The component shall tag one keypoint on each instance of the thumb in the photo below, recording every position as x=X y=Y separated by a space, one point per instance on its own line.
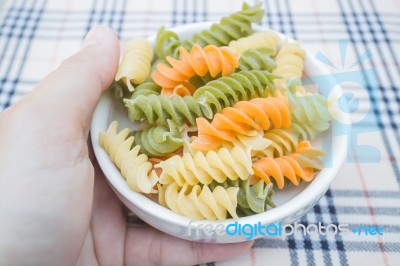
x=72 y=91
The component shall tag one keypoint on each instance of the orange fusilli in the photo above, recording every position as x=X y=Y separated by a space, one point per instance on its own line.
x=199 y=61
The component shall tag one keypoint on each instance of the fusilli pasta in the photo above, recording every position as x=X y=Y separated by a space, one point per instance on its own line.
x=205 y=167
x=289 y=64
x=229 y=28
x=309 y=111
x=266 y=39
x=159 y=140
x=301 y=165
x=145 y=89
x=256 y=59
x=255 y=198
x=245 y=116
x=226 y=91
x=210 y=59
x=157 y=109
x=290 y=61
x=167 y=43
x=134 y=167
x=199 y=202
x=136 y=63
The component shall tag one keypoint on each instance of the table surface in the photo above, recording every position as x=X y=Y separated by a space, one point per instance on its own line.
x=358 y=40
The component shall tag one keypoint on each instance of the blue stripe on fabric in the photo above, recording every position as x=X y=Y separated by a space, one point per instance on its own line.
x=351 y=245
x=280 y=20
x=121 y=19
x=359 y=210
x=112 y=13
x=174 y=13
x=390 y=79
x=268 y=14
x=395 y=166
x=16 y=47
x=291 y=244
x=395 y=90
x=205 y=13
x=338 y=239
x=6 y=18
x=12 y=29
x=325 y=248
x=371 y=193
x=103 y=12
x=218 y=13
x=91 y=17
x=291 y=19
x=387 y=40
x=374 y=101
x=194 y=12
x=184 y=13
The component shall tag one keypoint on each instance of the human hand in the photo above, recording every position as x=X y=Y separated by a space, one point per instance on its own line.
x=56 y=207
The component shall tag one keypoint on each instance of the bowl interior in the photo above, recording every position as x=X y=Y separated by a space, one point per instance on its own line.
x=292 y=202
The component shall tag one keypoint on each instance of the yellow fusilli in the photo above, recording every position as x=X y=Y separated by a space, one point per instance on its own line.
x=199 y=203
x=205 y=167
x=136 y=63
x=267 y=39
x=134 y=167
x=289 y=63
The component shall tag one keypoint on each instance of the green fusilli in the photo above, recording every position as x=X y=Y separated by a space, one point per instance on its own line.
x=232 y=27
x=256 y=59
x=167 y=43
x=159 y=108
x=226 y=91
x=159 y=140
x=145 y=89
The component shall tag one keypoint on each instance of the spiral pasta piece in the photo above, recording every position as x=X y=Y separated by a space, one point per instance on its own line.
x=256 y=59
x=200 y=61
x=134 y=167
x=255 y=141
x=266 y=39
x=301 y=165
x=283 y=142
x=253 y=199
x=159 y=140
x=145 y=89
x=256 y=114
x=229 y=28
x=226 y=91
x=205 y=167
x=290 y=61
x=310 y=108
x=309 y=111
x=200 y=202
x=157 y=109
x=272 y=143
x=119 y=89
x=306 y=131
x=205 y=102
x=136 y=63
x=289 y=64
x=167 y=43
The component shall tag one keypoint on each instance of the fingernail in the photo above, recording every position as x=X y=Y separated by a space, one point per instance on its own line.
x=96 y=35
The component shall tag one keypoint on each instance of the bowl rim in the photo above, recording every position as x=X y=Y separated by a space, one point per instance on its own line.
x=317 y=187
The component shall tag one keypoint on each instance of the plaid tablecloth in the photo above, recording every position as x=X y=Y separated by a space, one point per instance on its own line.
x=36 y=35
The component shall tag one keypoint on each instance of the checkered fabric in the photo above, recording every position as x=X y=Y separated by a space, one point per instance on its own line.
x=36 y=35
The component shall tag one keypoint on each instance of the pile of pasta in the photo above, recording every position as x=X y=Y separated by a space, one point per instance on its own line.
x=223 y=119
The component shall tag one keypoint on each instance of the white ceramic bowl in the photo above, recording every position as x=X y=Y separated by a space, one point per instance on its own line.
x=292 y=203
